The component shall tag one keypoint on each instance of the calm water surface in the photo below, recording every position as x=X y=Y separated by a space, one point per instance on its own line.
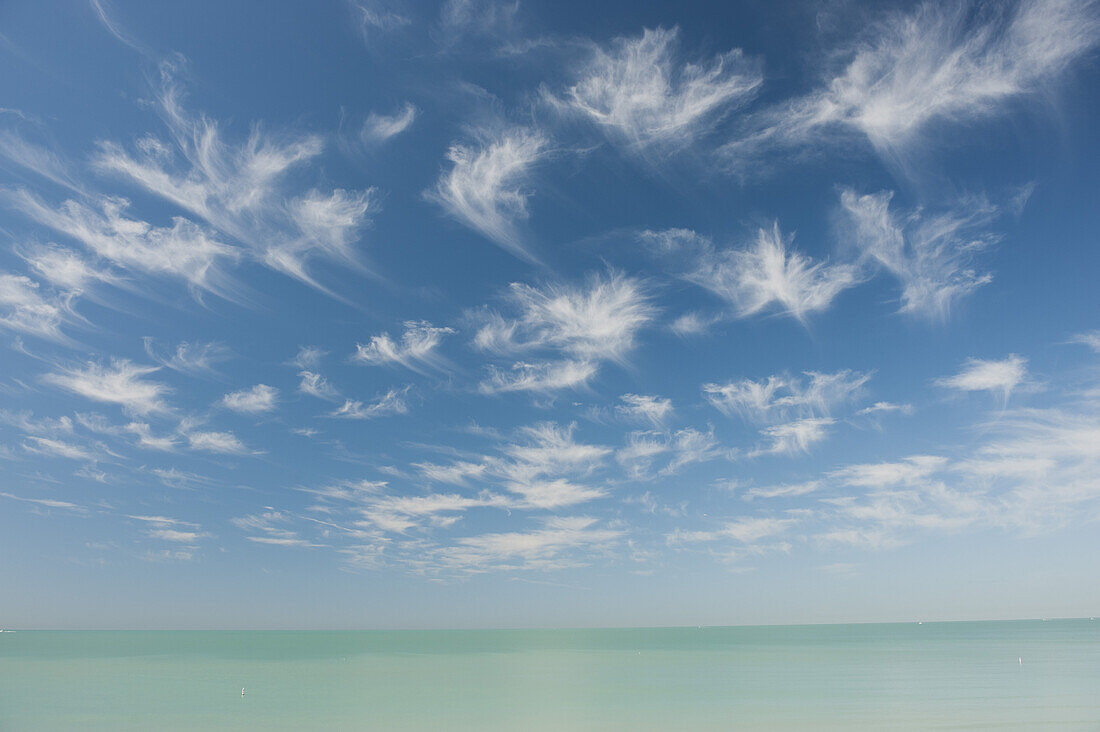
x=962 y=676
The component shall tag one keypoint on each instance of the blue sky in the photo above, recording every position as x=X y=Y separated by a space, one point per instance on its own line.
x=382 y=314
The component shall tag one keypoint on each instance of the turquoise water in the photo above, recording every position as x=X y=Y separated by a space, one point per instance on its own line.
x=930 y=676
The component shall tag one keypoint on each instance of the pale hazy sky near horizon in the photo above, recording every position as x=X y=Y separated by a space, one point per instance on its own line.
x=372 y=313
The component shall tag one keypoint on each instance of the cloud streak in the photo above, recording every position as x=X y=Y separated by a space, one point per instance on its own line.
x=485 y=186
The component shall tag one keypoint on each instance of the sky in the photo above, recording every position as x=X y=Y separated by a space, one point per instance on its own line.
x=384 y=314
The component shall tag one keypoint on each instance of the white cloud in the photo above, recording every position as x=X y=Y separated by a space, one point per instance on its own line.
x=241 y=189
x=120 y=383
x=790 y=490
x=680 y=448
x=37 y=159
x=767 y=275
x=170 y=529
x=590 y=323
x=379 y=128
x=454 y=474
x=221 y=442
x=547 y=376
x=380 y=15
x=187 y=537
x=691 y=324
x=398 y=514
x=184 y=250
x=268 y=528
x=928 y=254
x=783 y=397
x=416 y=348
x=745 y=530
x=1039 y=470
x=329 y=224
x=46 y=502
x=378 y=511
x=58 y=448
x=190 y=358
x=392 y=402
x=484 y=188
x=546 y=468
x=598 y=320
x=543 y=470
x=316 y=385
x=26 y=422
x=555 y=546
x=1090 y=339
x=260 y=398
x=63 y=268
x=308 y=357
x=147 y=439
x=796 y=437
x=25 y=309
x=477 y=20
x=996 y=376
x=643 y=95
x=881 y=475
x=884 y=407
x=953 y=63
x=653 y=409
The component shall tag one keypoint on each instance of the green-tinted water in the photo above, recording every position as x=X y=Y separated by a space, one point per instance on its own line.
x=930 y=676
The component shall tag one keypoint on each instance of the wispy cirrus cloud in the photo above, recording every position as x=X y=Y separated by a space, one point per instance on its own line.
x=225 y=443
x=545 y=377
x=653 y=409
x=1090 y=338
x=797 y=410
x=544 y=468
x=767 y=275
x=379 y=128
x=37 y=159
x=192 y=358
x=415 y=350
x=46 y=502
x=26 y=308
x=185 y=250
x=243 y=190
x=269 y=527
x=940 y=64
x=380 y=15
x=886 y=407
x=994 y=376
x=645 y=96
x=308 y=357
x=786 y=490
x=746 y=530
x=170 y=529
x=587 y=324
x=257 y=400
x=65 y=269
x=392 y=402
x=122 y=383
x=794 y=438
x=561 y=542
x=881 y=475
x=485 y=186
x=781 y=397
x=316 y=385
x=57 y=448
x=674 y=449
x=929 y=254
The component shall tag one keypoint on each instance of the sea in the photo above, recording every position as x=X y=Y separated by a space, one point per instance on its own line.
x=1022 y=675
